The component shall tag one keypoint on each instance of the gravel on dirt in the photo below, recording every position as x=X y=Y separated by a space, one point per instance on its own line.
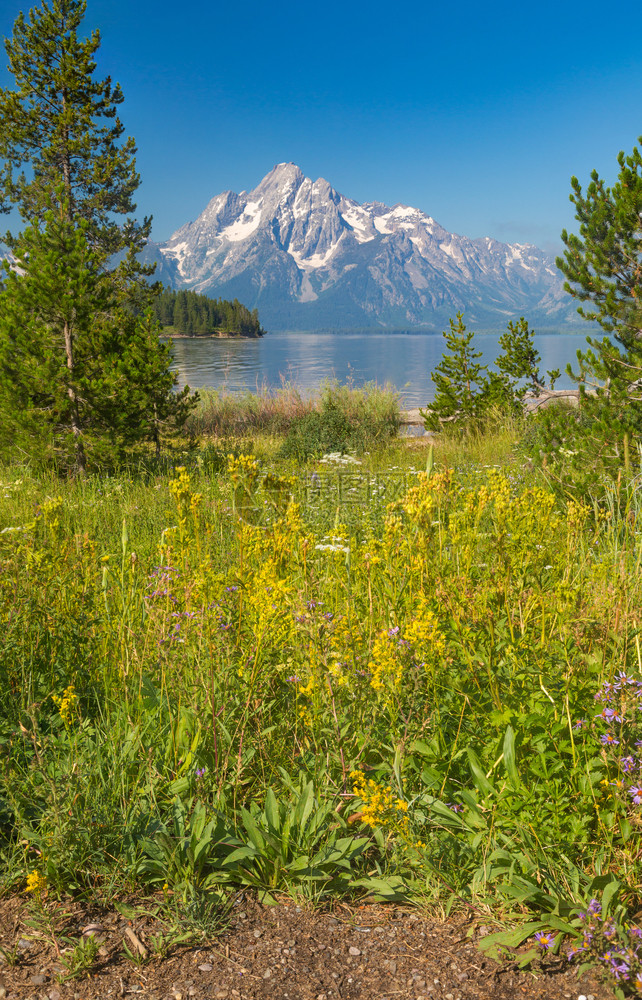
x=281 y=952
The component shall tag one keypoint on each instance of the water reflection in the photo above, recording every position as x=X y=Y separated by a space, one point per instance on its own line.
x=308 y=359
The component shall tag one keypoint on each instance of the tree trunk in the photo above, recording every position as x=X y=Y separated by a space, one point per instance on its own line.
x=156 y=433
x=76 y=429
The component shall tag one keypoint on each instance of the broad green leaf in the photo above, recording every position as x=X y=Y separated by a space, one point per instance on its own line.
x=609 y=893
x=480 y=779
x=304 y=806
x=272 y=812
x=509 y=757
x=256 y=836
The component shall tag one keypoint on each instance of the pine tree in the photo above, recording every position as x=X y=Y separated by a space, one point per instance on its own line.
x=603 y=267
x=459 y=379
x=603 y=264
x=468 y=393
x=82 y=374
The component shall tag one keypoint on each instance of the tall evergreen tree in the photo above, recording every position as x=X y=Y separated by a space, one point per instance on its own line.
x=603 y=268
x=81 y=370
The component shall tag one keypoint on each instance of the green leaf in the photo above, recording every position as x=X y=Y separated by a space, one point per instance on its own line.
x=256 y=836
x=480 y=779
x=609 y=893
x=241 y=854
x=512 y=938
x=304 y=806
x=272 y=812
x=509 y=757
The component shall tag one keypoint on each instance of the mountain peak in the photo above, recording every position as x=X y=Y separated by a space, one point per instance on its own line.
x=281 y=175
x=308 y=257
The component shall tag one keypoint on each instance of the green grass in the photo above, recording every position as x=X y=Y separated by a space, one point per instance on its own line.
x=197 y=662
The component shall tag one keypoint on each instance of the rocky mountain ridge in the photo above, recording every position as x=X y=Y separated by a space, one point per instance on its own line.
x=309 y=258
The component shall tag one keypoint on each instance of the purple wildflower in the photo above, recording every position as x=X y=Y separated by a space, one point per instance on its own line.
x=609 y=715
x=545 y=939
x=619 y=969
x=636 y=794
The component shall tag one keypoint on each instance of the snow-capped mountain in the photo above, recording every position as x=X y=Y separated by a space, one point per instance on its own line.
x=309 y=258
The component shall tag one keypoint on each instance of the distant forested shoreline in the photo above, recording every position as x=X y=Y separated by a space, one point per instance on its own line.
x=188 y=314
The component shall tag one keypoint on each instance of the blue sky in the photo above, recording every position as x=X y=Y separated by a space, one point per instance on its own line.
x=476 y=113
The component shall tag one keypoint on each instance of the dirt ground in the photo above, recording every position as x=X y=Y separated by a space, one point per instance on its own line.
x=285 y=952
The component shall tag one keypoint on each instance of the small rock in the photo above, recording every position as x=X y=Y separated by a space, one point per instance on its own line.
x=23 y=944
x=267 y=973
x=449 y=996
x=205 y=967
x=92 y=929
x=257 y=933
x=353 y=951
x=54 y=995
x=38 y=980
x=192 y=991
x=390 y=966
x=221 y=995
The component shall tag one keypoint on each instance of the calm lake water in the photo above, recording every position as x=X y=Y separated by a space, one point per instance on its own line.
x=308 y=359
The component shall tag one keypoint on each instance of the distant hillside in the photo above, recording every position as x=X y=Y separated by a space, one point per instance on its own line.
x=189 y=314
x=309 y=258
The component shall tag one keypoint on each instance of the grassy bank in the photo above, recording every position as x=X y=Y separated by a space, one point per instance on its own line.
x=370 y=413
x=348 y=677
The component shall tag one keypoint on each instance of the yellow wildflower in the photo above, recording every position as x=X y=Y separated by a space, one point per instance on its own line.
x=66 y=703
x=36 y=883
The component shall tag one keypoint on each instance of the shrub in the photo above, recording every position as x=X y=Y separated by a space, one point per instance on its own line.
x=347 y=419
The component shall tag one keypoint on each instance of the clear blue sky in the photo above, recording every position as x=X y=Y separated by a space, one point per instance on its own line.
x=476 y=113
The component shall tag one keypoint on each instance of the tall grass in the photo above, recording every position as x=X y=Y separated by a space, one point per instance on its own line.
x=371 y=411
x=227 y=414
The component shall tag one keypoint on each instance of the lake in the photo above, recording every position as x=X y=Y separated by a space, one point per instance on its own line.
x=308 y=359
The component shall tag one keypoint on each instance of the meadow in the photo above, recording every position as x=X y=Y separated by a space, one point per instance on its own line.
x=399 y=673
